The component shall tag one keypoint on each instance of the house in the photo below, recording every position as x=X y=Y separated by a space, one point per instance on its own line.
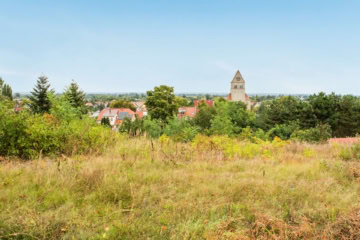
x=187 y=112
x=140 y=107
x=117 y=115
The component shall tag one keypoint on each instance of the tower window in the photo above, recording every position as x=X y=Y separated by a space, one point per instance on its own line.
x=238 y=78
x=241 y=86
x=235 y=86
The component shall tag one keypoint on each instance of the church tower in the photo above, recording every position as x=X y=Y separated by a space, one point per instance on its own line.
x=237 y=91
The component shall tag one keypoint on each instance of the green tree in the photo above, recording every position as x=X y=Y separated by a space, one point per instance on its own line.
x=240 y=116
x=181 y=101
x=349 y=115
x=5 y=90
x=123 y=103
x=222 y=125
x=204 y=117
x=284 y=110
x=75 y=96
x=181 y=130
x=326 y=108
x=40 y=102
x=105 y=121
x=320 y=133
x=161 y=103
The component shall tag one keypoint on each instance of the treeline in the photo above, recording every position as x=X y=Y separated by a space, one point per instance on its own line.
x=50 y=125
x=316 y=119
x=60 y=124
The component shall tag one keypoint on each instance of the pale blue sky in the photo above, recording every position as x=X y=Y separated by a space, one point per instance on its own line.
x=300 y=46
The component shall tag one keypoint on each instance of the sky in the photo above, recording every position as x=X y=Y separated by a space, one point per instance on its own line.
x=195 y=46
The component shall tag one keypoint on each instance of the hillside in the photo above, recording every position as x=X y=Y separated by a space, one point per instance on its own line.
x=211 y=188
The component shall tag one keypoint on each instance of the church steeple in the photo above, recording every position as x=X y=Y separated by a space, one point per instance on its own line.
x=238 y=78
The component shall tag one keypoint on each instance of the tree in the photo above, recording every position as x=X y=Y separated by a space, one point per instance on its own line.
x=240 y=116
x=349 y=115
x=161 y=103
x=75 y=96
x=181 y=101
x=5 y=89
x=284 y=110
x=326 y=108
x=123 y=103
x=204 y=116
x=40 y=102
x=222 y=125
x=105 y=121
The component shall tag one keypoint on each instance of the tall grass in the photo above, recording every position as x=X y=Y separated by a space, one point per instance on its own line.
x=212 y=188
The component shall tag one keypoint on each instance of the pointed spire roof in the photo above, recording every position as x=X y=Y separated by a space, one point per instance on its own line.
x=238 y=78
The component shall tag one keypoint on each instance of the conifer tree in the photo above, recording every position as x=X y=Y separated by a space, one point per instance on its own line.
x=5 y=89
x=40 y=102
x=75 y=96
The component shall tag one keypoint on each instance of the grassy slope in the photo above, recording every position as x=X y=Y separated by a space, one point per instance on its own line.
x=179 y=192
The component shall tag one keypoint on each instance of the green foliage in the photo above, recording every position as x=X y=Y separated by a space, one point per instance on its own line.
x=240 y=116
x=181 y=130
x=283 y=131
x=326 y=108
x=40 y=101
x=181 y=101
x=123 y=103
x=222 y=125
x=283 y=111
x=204 y=117
x=5 y=90
x=28 y=135
x=133 y=128
x=321 y=133
x=161 y=103
x=76 y=97
x=153 y=128
x=348 y=124
x=348 y=153
x=105 y=121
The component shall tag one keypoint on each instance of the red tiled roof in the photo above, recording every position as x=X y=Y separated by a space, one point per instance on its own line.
x=116 y=111
x=210 y=103
x=139 y=114
x=229 y=98
x=187 y=112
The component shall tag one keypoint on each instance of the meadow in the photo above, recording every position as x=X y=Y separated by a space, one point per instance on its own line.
x=210 y=188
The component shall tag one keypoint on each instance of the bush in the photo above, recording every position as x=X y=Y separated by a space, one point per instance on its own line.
x=283 y=131
x=181 y=130
x=350 y=152
x=28 y=135
x=321 y=133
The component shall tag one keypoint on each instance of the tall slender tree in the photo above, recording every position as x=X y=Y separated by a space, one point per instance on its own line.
x=5 y=90
x=75 y=96
x=39 y=99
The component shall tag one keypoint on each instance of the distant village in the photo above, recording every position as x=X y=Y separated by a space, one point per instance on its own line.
x=117 y=115
x=100 y=107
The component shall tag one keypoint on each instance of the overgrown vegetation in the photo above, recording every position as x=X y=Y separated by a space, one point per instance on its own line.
x=213 y=187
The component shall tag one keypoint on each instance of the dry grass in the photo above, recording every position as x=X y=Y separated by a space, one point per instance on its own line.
x=181 y=191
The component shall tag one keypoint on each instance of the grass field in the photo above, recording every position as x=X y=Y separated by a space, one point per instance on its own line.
x=212 y=188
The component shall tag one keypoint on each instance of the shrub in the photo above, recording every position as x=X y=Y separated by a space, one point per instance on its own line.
x=350 y=152
x=321 y=133
x=28 y=135
x=283 y=131
x=180 y=130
